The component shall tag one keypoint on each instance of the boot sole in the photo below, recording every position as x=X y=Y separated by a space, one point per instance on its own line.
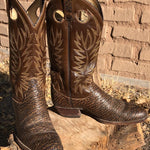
x=76 y=113
x=120 y=123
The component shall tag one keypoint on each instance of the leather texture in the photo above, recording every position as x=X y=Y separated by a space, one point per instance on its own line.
x=74 y=30
x=34 y=129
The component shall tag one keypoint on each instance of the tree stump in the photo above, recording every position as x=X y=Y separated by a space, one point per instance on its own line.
x=85 y=133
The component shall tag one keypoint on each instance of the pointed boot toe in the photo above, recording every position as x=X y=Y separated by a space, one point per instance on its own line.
x=52 y=143
x=54 y=147
x=47 y=141
x=137 y=114
x=109 y=110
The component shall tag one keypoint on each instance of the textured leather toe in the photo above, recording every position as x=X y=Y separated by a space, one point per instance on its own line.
x=137 y=113
x=41 y=141
x=48 y=142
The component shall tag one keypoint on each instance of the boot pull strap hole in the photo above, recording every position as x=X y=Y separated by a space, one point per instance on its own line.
x=82 y=16
x=58 y=16
x=13 y=14
x=38 y=12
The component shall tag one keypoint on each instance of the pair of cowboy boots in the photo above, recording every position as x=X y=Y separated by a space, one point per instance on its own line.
x=74 y=31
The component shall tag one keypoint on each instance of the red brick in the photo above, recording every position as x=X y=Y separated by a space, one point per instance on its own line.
x=138 y=1
x=124 y=66
x=122 y=50
x=117 y=49
x=3 y=4
x=101 y=63
x=4 y=41
x=144 y=67
x=146 y=16
x=145 y=54
x=3 y=16
x=3 y=29
x=104 y=62
x=118 y=14
x=132 y=33
x=106 y=48
x=129 y=66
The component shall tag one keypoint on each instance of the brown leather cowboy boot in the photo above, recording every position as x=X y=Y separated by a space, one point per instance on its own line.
x=74 y=30
x=34 y=130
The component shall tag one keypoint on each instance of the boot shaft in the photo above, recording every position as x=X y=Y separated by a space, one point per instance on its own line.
x=74 y=32
x=27 y=47
x=34 y=129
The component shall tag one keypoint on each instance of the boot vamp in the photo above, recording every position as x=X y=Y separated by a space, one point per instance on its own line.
x=33 y=125
x=35 y=129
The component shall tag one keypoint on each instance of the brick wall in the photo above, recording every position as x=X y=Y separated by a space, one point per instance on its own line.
x=125 y=45
x=4 y=42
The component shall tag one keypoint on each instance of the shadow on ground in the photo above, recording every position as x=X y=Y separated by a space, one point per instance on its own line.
x=6 y=110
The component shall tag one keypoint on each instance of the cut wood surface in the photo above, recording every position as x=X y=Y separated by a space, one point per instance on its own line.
x=85 y=133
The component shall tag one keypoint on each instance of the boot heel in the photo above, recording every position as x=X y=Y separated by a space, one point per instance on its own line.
x=69 y=112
